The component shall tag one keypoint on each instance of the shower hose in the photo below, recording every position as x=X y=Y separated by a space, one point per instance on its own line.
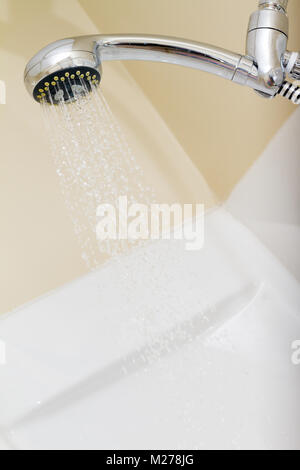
x=290 y=91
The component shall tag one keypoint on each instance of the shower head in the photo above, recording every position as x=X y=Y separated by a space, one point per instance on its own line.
x=62 y=71
x=64 y=68
x=70 y=67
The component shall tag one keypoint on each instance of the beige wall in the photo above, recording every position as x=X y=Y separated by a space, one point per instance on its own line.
x=222 y=127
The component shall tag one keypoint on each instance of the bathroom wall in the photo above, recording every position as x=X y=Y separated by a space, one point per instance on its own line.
x=223 y=128
x=38 y=250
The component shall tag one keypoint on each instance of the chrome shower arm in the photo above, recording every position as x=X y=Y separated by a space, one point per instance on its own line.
x=231 y=66
x=169 y=50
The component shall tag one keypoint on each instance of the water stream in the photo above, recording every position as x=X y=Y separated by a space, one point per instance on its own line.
x=95 y=165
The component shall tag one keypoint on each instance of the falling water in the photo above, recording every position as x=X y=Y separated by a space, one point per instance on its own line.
x=95 y=165
x=160 y=287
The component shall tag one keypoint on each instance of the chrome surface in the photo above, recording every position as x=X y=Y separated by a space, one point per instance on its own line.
x=93 y=50
x=58 y=56
x=267 y=42
x=277 y=4
x=172 y=51
x=292 y=64
x=267 y=47
x=270 y=19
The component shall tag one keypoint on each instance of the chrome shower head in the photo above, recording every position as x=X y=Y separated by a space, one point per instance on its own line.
x=49 y=74
x=63 y=70
x=70 y=67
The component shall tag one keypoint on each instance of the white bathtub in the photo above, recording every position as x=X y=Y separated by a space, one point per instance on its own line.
x=193 y=350
x=84 y=372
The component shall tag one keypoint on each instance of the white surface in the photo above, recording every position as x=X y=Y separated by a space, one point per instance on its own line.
x=4 y=444
x=169 y=348
x=190 y=350
x=267 y=199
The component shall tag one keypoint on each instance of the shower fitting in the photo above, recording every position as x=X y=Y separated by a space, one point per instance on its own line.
x=66 y=68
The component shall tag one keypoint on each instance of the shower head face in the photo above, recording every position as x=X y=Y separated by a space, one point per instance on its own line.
x=66 y=85
x=63 y=71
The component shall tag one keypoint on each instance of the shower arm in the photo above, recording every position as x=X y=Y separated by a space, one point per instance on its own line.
x=217 y=61
x=263 y=68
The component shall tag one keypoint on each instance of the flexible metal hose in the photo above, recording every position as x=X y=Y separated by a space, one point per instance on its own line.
x=290 y=91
